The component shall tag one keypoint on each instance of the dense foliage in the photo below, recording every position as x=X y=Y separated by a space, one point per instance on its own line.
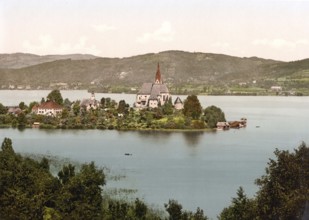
x=212 y=115
x=283 y=191
x=175 y=212
x=55 y=96
x=29 y=191
x=192 y=107
x=3 y=109
x=112 y=115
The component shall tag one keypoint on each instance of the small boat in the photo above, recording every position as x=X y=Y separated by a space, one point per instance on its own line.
x=128 y=154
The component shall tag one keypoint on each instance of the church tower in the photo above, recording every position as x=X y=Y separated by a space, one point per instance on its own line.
x=158 y=76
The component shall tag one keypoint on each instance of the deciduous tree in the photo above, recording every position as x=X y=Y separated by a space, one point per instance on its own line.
x=212 y=115
x=55 y=96
x=192 y=107
x=284 y=189
x=3 y=109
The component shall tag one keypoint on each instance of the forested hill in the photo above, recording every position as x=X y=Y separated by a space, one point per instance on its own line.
x=20 y=60
x=178 y=68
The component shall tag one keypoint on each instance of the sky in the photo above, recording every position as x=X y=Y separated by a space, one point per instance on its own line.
x=270 y=29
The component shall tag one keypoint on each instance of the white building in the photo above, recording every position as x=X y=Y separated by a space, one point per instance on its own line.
x=48 y=108
x=153 y=94
x=178 y=104
x=276 y=88
x=91 y=103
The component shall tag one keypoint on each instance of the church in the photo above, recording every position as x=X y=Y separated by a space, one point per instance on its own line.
x=153 y=94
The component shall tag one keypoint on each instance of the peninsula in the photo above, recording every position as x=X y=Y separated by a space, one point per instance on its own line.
x=153 y=109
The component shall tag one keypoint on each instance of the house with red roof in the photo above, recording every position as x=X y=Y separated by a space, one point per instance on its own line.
x=49 y=108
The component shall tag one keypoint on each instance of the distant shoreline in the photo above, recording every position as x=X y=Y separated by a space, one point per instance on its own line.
x=131 y=93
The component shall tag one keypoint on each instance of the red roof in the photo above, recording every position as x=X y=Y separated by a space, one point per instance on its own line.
x=49 y=105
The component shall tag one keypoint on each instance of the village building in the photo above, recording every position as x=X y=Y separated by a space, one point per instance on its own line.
x=90 y=103
x=49 y=108
x=14 y=110
x=178 y=104
x=276 y=88
x=223 y=125
x=153 y=94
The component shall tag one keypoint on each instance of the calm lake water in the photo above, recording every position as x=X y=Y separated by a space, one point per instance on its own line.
x=199 y=169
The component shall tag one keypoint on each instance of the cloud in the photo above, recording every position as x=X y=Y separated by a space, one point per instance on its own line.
x=165 y=33
x=103 y=28
x=280 y=43
x=45 y=44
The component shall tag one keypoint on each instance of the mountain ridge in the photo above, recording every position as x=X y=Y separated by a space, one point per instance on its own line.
x=178 y=68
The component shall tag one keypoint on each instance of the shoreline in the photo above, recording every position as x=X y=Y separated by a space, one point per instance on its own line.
x=123 y=130
x=186 y=94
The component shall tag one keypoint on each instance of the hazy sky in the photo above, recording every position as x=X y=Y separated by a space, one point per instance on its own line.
x=275 y=29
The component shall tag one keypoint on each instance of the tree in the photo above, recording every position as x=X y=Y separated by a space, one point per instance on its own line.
x=64 y=113
x=241 y=208
x=168 y=108
x=102 y=102
x=22 y=120
x=7 y=146
x=3 y=109
x=67 y=103
x=212 y=115
x=66 y=173
x=199 y=215
x=174 y=210
x=140 y=209
x=31 y=105
x=76 y=108
x=29 y=191
x=80 y=196
x=284 y=189
x=107 y=102
x=22 y=106
x=44 y=164
x=26 y=186
x=122 y=107
x=55 y=96
x=192 y=107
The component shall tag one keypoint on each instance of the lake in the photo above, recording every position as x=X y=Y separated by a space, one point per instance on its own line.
x=199 y=169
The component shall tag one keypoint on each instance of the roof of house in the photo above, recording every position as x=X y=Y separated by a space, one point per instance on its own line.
x=146 y=89
x=14 y=110
x=153 y=89
x=48 y=105
x=178 y=100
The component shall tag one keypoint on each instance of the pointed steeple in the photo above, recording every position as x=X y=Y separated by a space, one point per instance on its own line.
x=158 y=75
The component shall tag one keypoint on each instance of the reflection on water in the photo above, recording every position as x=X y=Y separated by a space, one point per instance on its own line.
x=153 y=135
x=193 y=138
